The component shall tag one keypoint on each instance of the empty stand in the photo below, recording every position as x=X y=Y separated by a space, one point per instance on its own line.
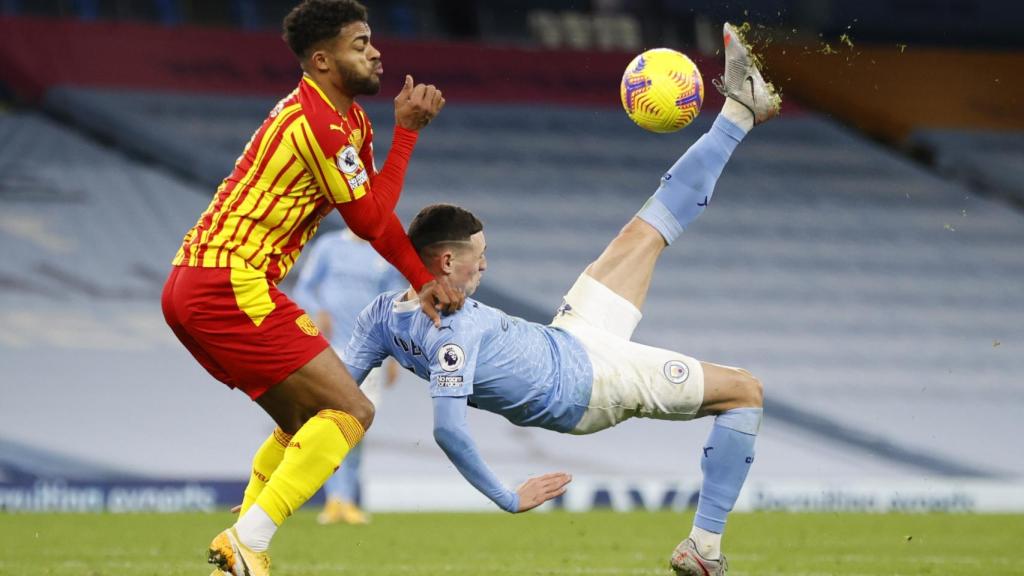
x=988 y=160
x=862 y=289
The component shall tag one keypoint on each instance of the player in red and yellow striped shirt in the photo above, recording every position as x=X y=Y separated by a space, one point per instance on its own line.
x=314 y=152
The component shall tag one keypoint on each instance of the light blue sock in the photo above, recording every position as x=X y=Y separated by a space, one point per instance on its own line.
x=728 y=455
x=687 y=187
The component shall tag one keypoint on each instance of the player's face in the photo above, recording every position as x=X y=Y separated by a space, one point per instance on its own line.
x=469 y=263
x=356 y=65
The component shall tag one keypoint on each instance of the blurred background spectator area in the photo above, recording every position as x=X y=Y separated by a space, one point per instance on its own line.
x=863 y=258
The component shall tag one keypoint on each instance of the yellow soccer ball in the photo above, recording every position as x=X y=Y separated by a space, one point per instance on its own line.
x=662 y=90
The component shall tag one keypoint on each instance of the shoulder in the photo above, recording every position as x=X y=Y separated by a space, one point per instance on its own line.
x=284 y=117
x=456 y=344
x=314 y=101
x=381 y=306
x=287 y=104
x=374 y=317
x=475 y=316
x=468 y=325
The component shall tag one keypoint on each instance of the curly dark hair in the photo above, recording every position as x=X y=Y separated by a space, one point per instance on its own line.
x=442 y=223
x=314 y=21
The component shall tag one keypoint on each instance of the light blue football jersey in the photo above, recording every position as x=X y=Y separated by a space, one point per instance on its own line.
x=341 y=275
x=533 y=375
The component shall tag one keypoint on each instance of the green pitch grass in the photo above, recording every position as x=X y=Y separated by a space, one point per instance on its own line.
x=530 y=544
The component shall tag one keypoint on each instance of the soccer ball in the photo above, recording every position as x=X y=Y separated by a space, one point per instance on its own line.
x=662 y=90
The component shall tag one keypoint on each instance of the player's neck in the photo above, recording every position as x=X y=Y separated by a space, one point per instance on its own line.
x=341 y=101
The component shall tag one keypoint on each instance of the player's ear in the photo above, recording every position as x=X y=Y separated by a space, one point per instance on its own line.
x=447 y=261
x=318 y=61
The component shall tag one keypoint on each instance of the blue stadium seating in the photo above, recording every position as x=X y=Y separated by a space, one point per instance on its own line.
x=989 y=160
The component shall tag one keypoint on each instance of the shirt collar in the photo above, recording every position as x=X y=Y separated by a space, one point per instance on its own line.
x=403 y=306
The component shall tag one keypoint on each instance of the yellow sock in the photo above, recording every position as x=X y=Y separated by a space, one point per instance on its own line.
x=314 y=453
x=267 y=458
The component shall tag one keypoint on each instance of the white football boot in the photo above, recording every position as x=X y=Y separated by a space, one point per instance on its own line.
x=686 y=561
x=742 y=80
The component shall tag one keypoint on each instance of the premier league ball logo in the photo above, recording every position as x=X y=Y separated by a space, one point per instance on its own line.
x=348 y=160
x=451 y=358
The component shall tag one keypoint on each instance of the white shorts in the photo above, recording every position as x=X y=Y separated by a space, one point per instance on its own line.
x=630 y=379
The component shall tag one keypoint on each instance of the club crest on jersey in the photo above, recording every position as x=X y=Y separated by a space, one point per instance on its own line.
x=348 y=160
x=676 y=371
x=355 y=138
x=451 y=358
x=305 y=323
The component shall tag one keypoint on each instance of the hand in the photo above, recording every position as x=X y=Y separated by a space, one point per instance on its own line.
x=236 y=508
x=539 y=490
x=416 y=106
x=440 y=295
x=391 y=372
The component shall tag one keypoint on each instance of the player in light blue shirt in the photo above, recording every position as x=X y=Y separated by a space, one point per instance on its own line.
x=582 y=373
x=341 y=274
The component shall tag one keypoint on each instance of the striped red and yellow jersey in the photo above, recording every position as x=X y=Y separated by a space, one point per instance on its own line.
x=304 y=159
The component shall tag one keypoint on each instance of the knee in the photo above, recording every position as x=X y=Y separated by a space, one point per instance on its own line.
x=358 y=407
x=637 y=230
x=751 y=390
x=363 y=411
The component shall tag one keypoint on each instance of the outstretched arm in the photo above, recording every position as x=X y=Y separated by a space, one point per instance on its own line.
x=452 y=435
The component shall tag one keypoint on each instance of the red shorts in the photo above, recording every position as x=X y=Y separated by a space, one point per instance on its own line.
x=239 y=326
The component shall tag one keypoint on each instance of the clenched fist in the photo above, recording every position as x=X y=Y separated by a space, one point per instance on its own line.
x=416 y=105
